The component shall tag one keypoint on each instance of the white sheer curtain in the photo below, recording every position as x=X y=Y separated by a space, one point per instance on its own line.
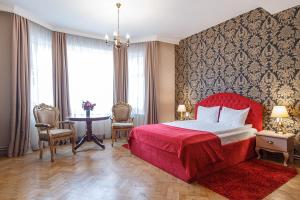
x=40 y=44
x=136 y=81
x=90 y=67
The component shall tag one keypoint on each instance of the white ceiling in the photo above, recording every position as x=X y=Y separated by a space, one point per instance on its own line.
x=165 y=20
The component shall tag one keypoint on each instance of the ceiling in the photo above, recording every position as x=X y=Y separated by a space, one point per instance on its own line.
x=165 y=20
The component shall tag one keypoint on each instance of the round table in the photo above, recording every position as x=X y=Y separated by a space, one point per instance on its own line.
x=89 y=136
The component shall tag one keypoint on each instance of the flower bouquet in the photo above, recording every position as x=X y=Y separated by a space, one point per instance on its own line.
x=88 y=106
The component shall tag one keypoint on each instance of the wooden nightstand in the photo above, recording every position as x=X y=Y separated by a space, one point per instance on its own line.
x=273 y=142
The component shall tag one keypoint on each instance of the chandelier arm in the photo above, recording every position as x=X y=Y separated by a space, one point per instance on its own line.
x=117 y=38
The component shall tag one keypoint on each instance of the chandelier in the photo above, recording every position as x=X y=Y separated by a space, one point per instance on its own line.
x=117 y=42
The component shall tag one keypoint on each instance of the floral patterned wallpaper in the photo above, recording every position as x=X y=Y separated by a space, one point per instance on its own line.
x=255 y=54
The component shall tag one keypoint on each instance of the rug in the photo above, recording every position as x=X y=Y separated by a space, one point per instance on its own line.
x=125 y=146
x=251 y=180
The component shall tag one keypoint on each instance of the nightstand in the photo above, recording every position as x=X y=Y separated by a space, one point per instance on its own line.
x=274 y=142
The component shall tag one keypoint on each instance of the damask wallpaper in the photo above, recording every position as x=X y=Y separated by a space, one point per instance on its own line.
x=255 y=54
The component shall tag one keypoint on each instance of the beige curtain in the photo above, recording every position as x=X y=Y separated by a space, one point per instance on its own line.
x=20 y=105
x=151 y=76
x=120 y=74
x=60 y=74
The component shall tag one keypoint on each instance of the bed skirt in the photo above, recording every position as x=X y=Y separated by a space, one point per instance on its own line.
x=234 y=153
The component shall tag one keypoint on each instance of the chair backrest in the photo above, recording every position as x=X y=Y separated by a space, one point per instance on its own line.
x=121 y=112
x=46 y=114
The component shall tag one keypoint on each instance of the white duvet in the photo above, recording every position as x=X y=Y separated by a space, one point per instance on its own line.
x=227 y=134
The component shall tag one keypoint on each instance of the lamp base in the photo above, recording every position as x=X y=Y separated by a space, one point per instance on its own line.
x=181 y=116
x=280 y=126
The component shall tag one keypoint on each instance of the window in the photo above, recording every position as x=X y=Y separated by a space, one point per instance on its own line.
x=136 y=81
x=90 y=68
x=41 y=82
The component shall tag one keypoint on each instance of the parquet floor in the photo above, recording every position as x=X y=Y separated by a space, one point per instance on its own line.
x=113 y=174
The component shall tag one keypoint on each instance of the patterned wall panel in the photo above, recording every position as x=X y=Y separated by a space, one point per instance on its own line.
x=255 y=54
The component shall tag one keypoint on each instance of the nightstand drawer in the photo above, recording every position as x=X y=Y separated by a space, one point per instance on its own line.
x=272 y=143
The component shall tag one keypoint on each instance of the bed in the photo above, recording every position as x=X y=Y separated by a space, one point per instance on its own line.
x=162 y=146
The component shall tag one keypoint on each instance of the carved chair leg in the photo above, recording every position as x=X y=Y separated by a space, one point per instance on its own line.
x=41 y=146
x=113 y=136
x=128 y=133
x=51 y=144
x=73 y=144
x=116 y=132
x=55 y=147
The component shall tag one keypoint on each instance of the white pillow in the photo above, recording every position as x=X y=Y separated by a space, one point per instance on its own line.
x=208 y=114
x=233 y=117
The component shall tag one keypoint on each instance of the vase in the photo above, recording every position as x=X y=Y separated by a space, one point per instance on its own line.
x=87 y=113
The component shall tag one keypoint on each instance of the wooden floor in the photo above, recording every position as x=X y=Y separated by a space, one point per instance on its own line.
x=110 y=174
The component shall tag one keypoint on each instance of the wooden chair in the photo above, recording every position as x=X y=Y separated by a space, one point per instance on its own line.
x=121 y=119
x=47 y=123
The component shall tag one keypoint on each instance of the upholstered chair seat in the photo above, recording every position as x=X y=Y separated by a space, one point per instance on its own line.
x=121 y=119
x=55 y=133
x=51 y=130
x=122 y=124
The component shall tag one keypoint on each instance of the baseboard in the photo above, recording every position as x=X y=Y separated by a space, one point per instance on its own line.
x=3 y=151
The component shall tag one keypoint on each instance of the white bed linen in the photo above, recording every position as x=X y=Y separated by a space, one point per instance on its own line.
x=227 y=134
x=236 y=136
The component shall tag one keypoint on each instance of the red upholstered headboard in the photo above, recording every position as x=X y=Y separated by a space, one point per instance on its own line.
x=235 y=101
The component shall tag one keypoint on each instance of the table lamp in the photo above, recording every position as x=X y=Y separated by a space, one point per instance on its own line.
x=181 y=109
x=279 y=112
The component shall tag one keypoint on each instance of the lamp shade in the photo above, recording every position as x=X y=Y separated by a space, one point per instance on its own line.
x=181 y=108
x=279 y=112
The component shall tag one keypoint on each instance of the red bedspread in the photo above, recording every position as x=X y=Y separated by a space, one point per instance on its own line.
x=195 y=149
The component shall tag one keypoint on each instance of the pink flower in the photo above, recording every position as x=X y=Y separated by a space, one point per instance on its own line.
x=86 y=105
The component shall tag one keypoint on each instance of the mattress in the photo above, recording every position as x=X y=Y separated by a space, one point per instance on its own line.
x=227 y=134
